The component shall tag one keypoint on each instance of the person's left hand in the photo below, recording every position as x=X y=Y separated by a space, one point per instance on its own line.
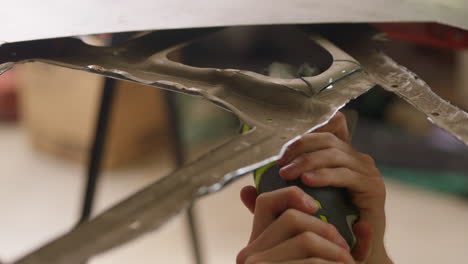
x=284 y=231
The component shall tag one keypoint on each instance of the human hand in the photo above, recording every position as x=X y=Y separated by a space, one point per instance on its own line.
x=284 y=231
x=325 y=158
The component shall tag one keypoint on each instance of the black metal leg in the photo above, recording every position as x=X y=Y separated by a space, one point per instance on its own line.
x=194 y=236
x=97 y=149
x=175 y=130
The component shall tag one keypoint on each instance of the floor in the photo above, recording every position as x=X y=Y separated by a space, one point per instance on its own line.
x=40 y=197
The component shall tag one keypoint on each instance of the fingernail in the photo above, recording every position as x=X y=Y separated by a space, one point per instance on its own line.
x=310 y=202
x=288 y=170
x=343 y=244
x=308 y=176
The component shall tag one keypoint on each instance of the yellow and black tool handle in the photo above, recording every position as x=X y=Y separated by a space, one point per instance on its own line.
x=335 y=205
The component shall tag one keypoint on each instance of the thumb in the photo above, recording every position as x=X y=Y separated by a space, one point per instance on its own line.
x=248 y=196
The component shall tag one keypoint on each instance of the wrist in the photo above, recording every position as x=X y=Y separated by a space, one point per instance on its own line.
x=379 y=256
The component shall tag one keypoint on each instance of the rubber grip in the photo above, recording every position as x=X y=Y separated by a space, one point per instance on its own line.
x=335 y=205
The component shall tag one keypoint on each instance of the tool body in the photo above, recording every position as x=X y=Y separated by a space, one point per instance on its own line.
x=335 y=205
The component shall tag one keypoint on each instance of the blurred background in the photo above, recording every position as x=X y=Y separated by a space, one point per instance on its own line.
x=47 y=122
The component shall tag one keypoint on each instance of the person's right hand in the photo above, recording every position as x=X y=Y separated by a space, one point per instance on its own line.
x=326 y=158
x=284 y=231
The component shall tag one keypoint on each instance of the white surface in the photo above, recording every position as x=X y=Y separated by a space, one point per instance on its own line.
x=32 y=19
x=39 y=198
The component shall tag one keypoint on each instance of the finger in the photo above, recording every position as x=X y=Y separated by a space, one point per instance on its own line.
x=248 y=196
x=356 y=183
x=363 y=232
x=314 y=142
x=270 y=205
x=327 y=158
x=337 y=126
x=336 y=177
x=291 y=223
x=303 y=246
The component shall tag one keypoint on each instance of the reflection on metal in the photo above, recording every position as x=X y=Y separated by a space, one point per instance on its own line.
x=279 y=110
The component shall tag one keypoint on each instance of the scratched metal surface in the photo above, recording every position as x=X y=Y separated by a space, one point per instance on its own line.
x=31 y=19
x=279 y=110
x=415 y=91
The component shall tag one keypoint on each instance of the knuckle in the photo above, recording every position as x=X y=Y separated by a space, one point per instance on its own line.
x=376 y=173
x=376 y=183
x=346 y=171
x=329 y=137
x=378 y=187
x=334 y=153
x=329 y=231
x=290 y=216
x=263 y=199
x=368 y=159
x=339 y=115
x=305 y=161
x=242 y=256
x=301 y=159
x=299 y=144
x=294 y=192
x=308 y=239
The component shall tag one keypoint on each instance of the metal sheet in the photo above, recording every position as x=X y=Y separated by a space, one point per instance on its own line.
x=279 y=110
x=30 y=19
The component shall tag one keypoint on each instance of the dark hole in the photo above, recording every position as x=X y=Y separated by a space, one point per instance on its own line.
x=253 y=49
